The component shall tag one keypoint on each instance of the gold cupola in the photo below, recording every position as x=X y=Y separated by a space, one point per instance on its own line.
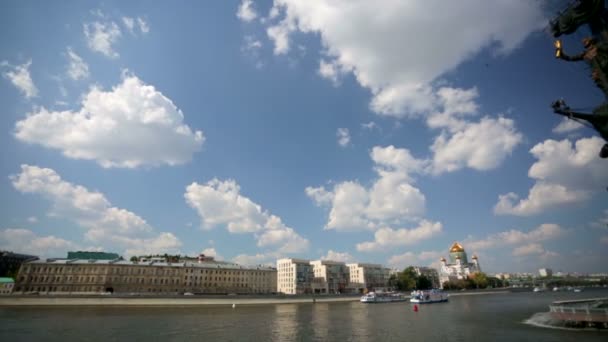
x=456 y=247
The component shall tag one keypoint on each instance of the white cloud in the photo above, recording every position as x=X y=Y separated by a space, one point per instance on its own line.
x=564 y=173
x=382 y=44
x=105 y=224
x=101 y=36
x=129 y=24
x=251 y=48
x=219 y=203
x=143 y=25
x=343 y=136
x=256 y=259
x=425 y=258
x=136 y=23
x=391 y=199
x=567 y=126
x=32 y=219
x=246 y=12
x=19 y=75
x=338 y=256
x=546 y=231
x=212 y=252
x=130 y=126
x=370 y=125
x=28 y=242
x=330 y=71
x=532 y=248
x=480 y=145
x=77 y=68
x=389 y=238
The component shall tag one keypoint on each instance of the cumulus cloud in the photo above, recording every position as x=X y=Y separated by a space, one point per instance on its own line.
x=338 y=256
x=26 y=241
x=143 y=25
x=268 y=259
x=32 y=219
x=212 y=252
x=220 y=203
x=343 y=136
x=246 y=12
x=101 y=36
x=564 y=172
x=481 y=145
x=105 y=224
x=544 y=232
x=401 y=261
x=392 y=199
x=382 y=44
x=130 y=126
x=567 y=126
x=388 y=238
x=77 y=68
x=19 y=75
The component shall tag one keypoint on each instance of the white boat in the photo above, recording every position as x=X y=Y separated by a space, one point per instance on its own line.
x=577 y=289
x=539 y=289
x=428 y=296
x=382 y=297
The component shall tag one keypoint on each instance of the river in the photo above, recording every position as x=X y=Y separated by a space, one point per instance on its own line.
x=490 y=317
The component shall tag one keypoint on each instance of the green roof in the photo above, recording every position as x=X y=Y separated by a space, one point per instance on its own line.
x=6 y=280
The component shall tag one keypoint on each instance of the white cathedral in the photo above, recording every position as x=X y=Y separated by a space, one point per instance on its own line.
x=459 y=266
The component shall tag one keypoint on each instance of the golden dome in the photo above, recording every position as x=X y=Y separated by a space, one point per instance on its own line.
x=456 y=247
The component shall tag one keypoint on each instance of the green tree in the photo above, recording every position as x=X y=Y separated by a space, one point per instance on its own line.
x=479 y=279
x=134 y=258
x=423 y=283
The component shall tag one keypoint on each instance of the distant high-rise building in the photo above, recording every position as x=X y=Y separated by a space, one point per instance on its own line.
x=294 y=276
x=368 y=277
x=89 y=255
x=545 y=272
x=334 y=276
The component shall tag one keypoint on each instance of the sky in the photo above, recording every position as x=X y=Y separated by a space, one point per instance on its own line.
x=354 y=131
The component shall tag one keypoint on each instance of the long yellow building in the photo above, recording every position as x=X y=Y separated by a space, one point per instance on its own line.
x=80 y=276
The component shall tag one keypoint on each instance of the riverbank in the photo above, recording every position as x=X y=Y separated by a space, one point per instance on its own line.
x=18 y=300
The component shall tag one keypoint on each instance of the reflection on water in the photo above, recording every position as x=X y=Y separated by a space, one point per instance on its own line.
x=320 y=321
x=285 y=327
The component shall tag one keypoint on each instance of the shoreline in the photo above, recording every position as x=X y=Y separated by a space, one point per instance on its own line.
x=20 y=301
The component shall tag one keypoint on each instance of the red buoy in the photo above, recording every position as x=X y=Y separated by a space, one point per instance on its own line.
x=415 y=307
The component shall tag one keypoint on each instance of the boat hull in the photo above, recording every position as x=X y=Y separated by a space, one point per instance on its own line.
x=421 y=301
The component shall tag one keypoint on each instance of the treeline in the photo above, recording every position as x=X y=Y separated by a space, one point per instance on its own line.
x=478 y=280
x=572 y=281
x=408 y=280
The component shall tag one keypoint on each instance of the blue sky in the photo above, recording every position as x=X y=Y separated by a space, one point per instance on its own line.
x=256 y=130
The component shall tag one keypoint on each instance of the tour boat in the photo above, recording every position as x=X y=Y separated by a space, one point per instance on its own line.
x=428 y=296
x=382 y=297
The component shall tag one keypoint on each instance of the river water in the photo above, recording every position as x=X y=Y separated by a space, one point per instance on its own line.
x=490 y=317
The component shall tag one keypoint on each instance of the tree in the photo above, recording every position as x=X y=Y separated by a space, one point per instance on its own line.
x=479 y=279
x=423 y=283
x=134 y=258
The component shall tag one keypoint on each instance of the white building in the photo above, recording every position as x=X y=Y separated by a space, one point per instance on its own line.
x=294 y=276
x=368 y=277
x=330 y=276
x=459 y=267
x=545 y=272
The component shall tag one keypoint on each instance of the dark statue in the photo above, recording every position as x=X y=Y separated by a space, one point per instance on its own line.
x=595 y=54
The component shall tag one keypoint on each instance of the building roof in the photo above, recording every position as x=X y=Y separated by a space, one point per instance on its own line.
x=204 y=264
x=6 y=280
x=456 y=247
